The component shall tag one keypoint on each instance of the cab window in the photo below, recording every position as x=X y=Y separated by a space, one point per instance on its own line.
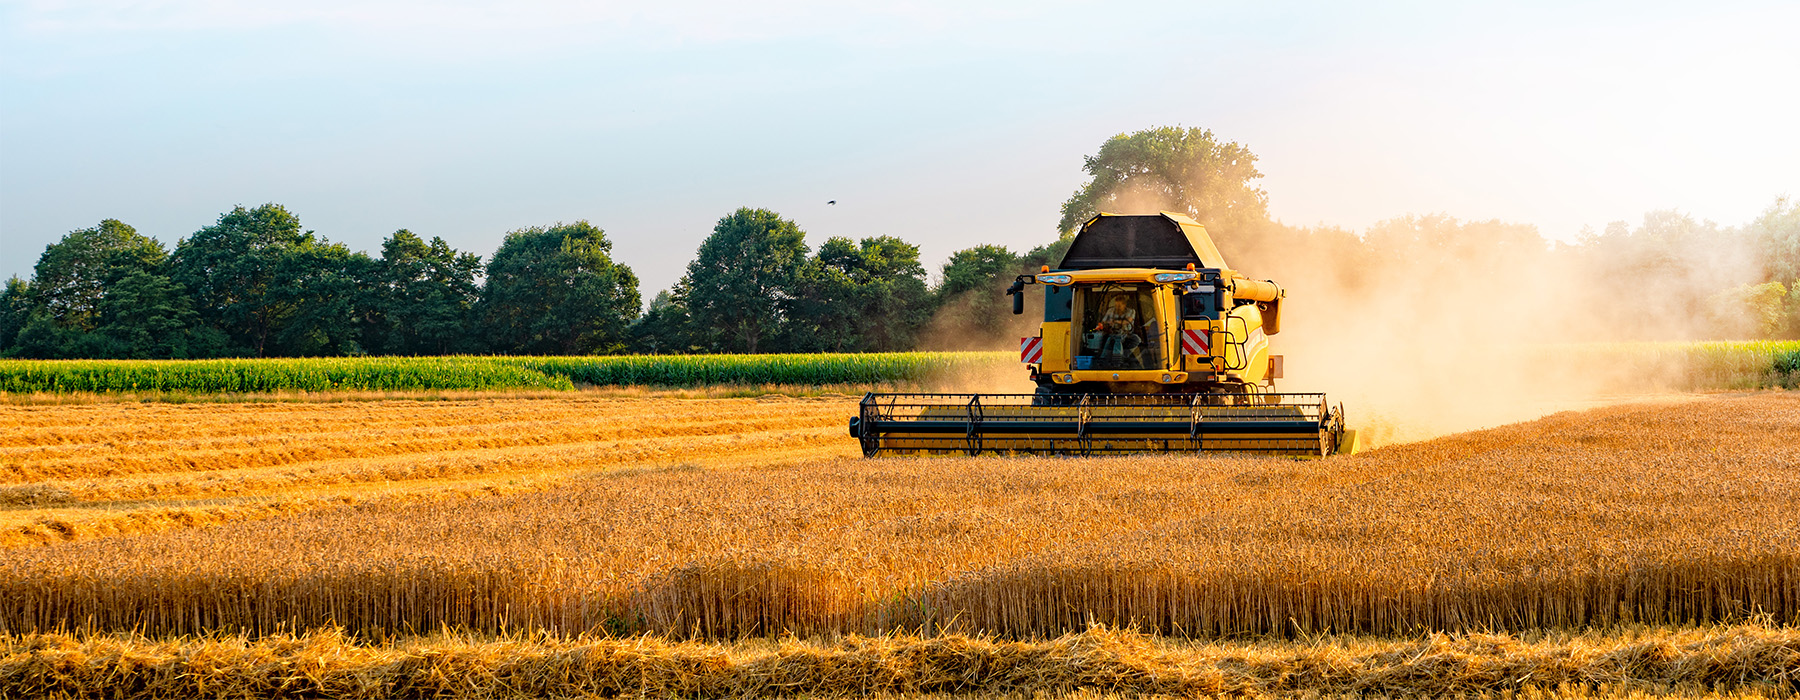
x=1119 y=328
x=1198 y=305
x=1058 y=303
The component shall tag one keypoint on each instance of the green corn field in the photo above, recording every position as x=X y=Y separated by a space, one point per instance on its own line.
x=1686 y=366
x=802 y=369
x=271 y=375
x=466 y=372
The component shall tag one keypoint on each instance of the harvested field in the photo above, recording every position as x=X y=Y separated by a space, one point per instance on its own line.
x=94 y=469
x=1742 y=662
x=1669 y=512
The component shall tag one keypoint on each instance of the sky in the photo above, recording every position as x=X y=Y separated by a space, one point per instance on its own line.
x=948 y=124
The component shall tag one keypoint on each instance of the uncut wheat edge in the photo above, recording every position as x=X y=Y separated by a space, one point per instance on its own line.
x=327 y=663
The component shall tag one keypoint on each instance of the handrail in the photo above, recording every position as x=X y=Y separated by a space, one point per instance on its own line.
x=1230 y=344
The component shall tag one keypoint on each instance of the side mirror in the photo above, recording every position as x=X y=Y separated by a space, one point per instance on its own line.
x=1017 y=292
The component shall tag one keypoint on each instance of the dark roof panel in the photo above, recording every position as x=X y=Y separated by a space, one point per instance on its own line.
x=1164 y=240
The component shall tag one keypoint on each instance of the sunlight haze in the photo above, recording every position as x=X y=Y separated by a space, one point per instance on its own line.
x=946 y=124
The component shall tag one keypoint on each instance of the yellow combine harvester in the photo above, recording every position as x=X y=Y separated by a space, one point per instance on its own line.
x=1150 y=343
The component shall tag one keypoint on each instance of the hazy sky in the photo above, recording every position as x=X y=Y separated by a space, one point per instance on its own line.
x=947 y=124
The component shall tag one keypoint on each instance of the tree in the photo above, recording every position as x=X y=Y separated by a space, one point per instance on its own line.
x=73 y=274
x=556 y=290
x=858 y=298
x=1171 y=169
x=825 y=313
x=893 y=298
x=975 y=268
x=1047 y=254
x=148 y=316
x=105 y=292
x=973 y=310
x=424 y=297
x=15 y=311
x=1658 y=279
x=272 y=288
x=45 y=339
x=327 y=287
x=742 y=279
x=1777 y=233
x=667 y=327
x=1751 y=310
x=1792 y=305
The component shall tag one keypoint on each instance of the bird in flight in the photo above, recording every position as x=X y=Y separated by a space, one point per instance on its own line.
x=832 y=202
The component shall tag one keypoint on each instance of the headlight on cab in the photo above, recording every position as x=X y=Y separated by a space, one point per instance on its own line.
x=1171 y=276
x=1054 y=279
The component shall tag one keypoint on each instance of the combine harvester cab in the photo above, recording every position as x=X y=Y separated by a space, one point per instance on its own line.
x=1149 y=344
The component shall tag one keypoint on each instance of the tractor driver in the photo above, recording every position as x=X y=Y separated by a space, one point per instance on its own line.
x=1119 y=323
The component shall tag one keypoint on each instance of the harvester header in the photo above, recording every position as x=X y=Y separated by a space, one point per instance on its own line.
x=1149 y=343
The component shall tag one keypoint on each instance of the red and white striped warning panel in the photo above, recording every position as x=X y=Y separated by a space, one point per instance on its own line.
x=1195 y=343
x=1031 y=350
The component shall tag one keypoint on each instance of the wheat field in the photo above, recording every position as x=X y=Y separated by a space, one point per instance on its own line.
x=734 y=518
x=1726 y=662
x=98 y=468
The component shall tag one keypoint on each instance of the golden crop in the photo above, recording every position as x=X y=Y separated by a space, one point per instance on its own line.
x=1743 y=661
x=1671 y=512
x=95 y=469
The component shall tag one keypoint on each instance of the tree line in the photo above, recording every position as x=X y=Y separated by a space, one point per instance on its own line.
x=255 y=283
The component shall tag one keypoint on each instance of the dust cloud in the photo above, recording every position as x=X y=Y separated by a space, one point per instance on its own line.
x=1426 y=325
x=1142 y=194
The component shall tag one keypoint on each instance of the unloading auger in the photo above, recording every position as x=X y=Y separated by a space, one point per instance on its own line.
x=1149 y=344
